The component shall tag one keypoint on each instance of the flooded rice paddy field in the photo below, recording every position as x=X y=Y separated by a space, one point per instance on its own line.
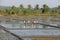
x=24 y=26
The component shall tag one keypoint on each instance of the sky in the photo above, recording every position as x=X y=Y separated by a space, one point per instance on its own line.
x=50 y=3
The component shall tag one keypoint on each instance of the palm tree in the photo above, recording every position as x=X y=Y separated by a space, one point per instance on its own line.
x=21 y=7
x=46 y=8
x=58 y=9
x=29 y=7
x=37 y=7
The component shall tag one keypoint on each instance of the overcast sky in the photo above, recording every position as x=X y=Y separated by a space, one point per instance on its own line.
x=51 y=3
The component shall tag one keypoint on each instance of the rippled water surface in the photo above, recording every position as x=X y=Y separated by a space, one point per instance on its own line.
x=30 y=32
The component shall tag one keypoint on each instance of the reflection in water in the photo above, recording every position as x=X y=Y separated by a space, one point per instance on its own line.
x=25 y=24
x=14 y=24
x=20 y=25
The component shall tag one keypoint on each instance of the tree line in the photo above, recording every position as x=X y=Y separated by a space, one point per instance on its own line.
x=21 y=10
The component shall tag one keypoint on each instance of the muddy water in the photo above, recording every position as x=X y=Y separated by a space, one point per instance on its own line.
x=27 y=23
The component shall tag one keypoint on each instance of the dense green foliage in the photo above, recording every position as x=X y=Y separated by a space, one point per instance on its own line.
x=21 y=11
